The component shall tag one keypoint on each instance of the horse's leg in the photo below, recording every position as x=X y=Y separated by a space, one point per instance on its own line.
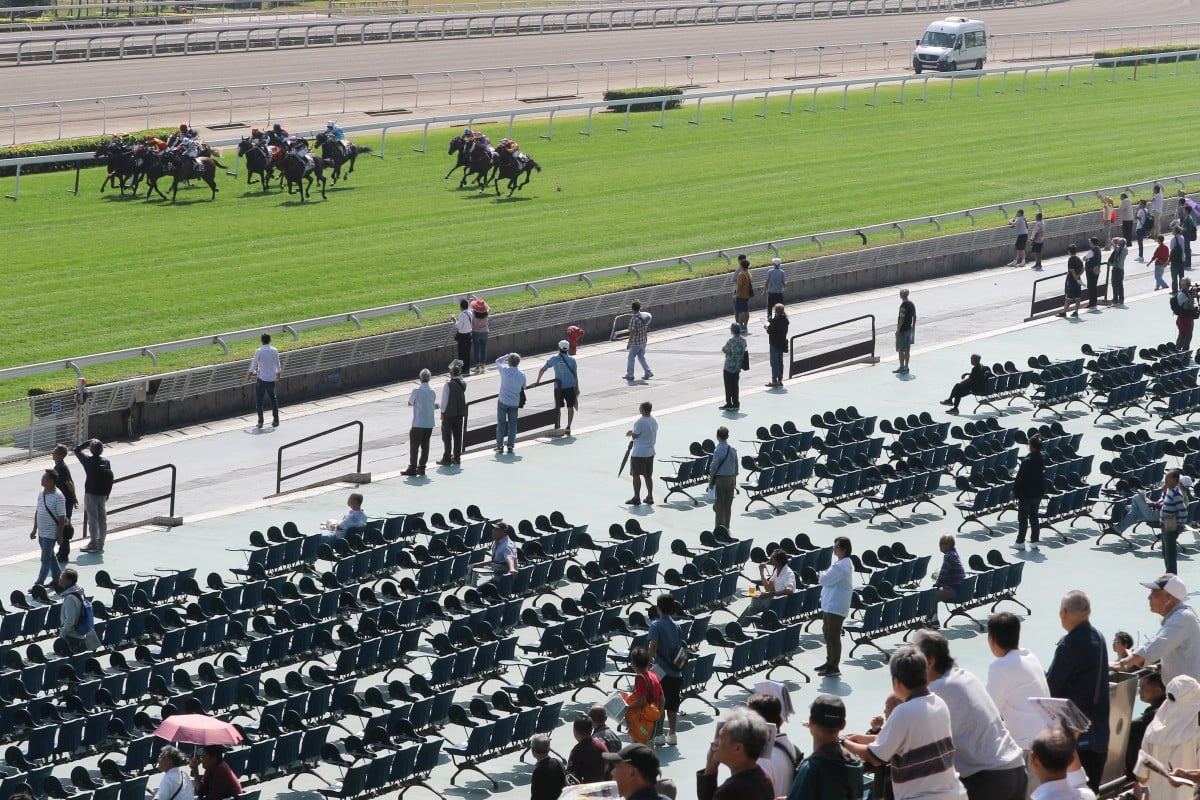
x=352 y=157
x=211 y=180
x=174 y=189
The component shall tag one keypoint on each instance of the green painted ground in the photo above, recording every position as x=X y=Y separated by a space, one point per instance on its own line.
x=89 y=273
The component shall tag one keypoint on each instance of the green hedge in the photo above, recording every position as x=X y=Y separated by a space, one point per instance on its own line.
x=60 y=146
x=644 y=91
x=1142 y=51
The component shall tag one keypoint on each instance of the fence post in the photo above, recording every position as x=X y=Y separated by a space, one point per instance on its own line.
x=424 y=138
x=588 y=132
x=549 y=134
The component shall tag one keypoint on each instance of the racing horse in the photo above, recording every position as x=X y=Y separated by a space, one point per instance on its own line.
x=258 y=161
x=151 y=165
x=122 y=164
x=183 y=168
x=510 y=168
x=473 y=161
x=336 y=154
x=300 y=170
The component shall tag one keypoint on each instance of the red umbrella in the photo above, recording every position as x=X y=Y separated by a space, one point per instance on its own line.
x=197 y=729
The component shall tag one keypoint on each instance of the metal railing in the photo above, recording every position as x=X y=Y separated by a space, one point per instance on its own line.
x=860 y=350
x=1047 y=303
x=356 y=455
x=169 y=495
x=527 y=420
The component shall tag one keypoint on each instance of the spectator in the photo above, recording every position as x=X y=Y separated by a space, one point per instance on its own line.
x=479 y=333
x=423 y=402
x=97 y=486
x=462 y=331
x=605 y=734
x=1143 y=229
x=743 y=290
x=881 y=775
x=1156 y=210
x=355 y=518
x=64 y=484
x=780 y=760
x=566 y=385
x=635 y=770
x=906 y=330
x=1107 y=212
x=722 y=477
x=1177 y=257
x=777 y=338
x=774 y=286
x=1051 y=755
x=49 y=519
x=643 y=434
x=454 y=415
x=647 y=692
x=1159 y=260
x=775 y=578
x=1122 y=643
x=1021 y=227
x=1173 y=739
x=1028 y=487
x=219 y=781
x=665 y=640
x=1093 y=271
x=1185 y=315
x=1187 y=225
x=1037 y=240
x=1015 y=676
x=1073 y=285
x=1125 y=216
x=639 y=328
x=950 y=576
x=508 y=400
x=740 y=741
x=972 y=383
x=174 y=784
x=737 y=358
x=1143 y=509
x=1153 y=693
x=77 y=630
x=831 y=772
x=586 y=761
x=504 y=552
x=548 y=778
x=1116 y=263
x=1079 y=673
x=265 y=369
x=916 y=739
x=990 y=764
x=1176 y=645
x=837 y=590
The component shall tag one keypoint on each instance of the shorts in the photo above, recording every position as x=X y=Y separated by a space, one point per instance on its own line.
x=672 y=689
x=741 y=306
x=642 y=465
x=566 y=396
x=1021 y=240
x=904 y=341
x=1073 y=291
x=1036 y=247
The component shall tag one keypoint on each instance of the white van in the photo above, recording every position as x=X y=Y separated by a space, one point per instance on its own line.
x=951 y=43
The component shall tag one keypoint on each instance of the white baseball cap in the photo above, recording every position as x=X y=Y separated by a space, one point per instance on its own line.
x=1169 y=583
x=776 y=261
x=564 y=345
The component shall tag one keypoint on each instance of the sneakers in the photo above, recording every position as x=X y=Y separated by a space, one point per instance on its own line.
x=659 y=741
x=1012 y=263
x=832 y=673
x=1020 y=264
x=626 y=377
x=647 y=376
x=1034 y=546
x=946 y=402
x=1140 y=260
x=510 y=451
x=499 y=448
x=672 y=739
x=1019 y=546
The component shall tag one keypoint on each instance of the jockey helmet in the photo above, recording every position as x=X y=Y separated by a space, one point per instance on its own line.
x=254 y=131
x=276 y=127
x=330 y=124
x=467 y=132
x=183 y=126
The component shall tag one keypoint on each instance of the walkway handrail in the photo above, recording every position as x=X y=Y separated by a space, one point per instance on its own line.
x=1039 y=307
x=531 y=420
x=862 y=350
x=170 y=494
x=356 y=454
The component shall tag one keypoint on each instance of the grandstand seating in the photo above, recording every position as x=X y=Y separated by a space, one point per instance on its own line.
x=690 y=470
x=1007 y=383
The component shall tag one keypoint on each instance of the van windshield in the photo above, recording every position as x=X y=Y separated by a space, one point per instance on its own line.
x=937 y=39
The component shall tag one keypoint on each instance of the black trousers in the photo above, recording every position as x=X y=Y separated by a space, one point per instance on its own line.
x=1092 y=280
x=452 y=437
x=960 y=390
x=731 y=387
x=418 y=446
x=463 y=340
x=1027 y=518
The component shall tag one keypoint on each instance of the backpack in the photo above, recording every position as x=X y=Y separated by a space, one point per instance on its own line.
x=680 y=657
x=1176 y=309
x=86 y=622
x=1189 y=227
x=103 y=478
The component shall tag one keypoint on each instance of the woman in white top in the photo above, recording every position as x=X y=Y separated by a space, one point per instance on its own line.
x=775 y=579
x=176 y=785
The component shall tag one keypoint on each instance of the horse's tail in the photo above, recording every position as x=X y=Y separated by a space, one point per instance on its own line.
x=218 y=163
x=364 y=149
x=535 y=165
x=215 y=153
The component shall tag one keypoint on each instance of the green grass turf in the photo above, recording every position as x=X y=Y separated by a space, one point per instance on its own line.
x=93 y=273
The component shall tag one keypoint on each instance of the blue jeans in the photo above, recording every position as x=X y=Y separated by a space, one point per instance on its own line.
x=479 y=345
x=49 y=560
x=265 y=388
x=637 y=351
x=506 y=420
x=776 y=364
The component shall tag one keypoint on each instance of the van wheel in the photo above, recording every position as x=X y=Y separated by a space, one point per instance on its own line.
x=979 y=64
x=917 y=68
x=951 y=66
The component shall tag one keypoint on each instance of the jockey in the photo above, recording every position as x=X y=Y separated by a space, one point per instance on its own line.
x=299 y=146
x=257 y=137
x=279 y=137
x=177 y=136
x=157 y=143
x=332 y=129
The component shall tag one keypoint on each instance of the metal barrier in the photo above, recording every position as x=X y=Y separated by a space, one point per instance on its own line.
x=863 y=350
x=356 y=455
x=169 y=521
x=35 y=424
x=1042 y=306
x=527 y=421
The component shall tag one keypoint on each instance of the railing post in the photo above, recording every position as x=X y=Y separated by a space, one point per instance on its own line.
x=549 y=134
x=588 y=131
x=104 y=116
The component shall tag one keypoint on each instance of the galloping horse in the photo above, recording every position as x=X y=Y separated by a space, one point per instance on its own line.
x=473 y=161
x=336 y=154
x=301 y=169
x=184 y=169
x=152 y=165
x=121 y=165
x=510 y=168
x=258 y=160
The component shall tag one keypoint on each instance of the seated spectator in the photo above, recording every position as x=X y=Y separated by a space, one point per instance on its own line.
x=972 y=383
x=1173 y=739
x=781 y=760
x=601 y=731
x=174 y=785
x=881 y=776
x=635 y=771
x=647 y=699
x=504 y=552
x=548 y=778
x=1052 y=753
x=775 y=579
x=1153 y=693
x=219 y=781
x=1122 y=643
x=586 y=760
x=831 y=772
x=741 y=739
x=355 y=518
x=949 y=578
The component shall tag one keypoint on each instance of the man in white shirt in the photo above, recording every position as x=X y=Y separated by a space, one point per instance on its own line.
x=775 y=579
x=265 y=368
x=837 y=588
x=1013 y=678
x=424 y=403
x=1177 y=643
x=1053 y=750
x=644 y=434
x=463 y=325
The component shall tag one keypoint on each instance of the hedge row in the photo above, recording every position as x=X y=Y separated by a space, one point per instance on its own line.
x=1123 y=52
x=644 y=91
x=60 y=146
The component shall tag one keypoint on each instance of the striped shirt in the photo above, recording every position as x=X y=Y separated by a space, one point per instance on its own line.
x=916 y=741
x=1174 y=503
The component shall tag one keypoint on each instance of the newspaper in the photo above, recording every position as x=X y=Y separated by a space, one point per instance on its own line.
x=603 y=790
x=1058 y=711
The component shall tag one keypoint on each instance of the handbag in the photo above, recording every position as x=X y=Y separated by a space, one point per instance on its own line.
x=521 y=402
x=745 y=360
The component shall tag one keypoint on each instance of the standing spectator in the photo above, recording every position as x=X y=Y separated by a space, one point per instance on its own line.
x=1037 y=240
x=775 y=578
x=736 y=359
x=665 y=639
x=722 y=477
x=1021 y=226
x=1153 y=693
x=97 y=486
x=1187 y=224
x=219 y=781
x=63 y=482
x=49 y=519
x=1176 y=645
x=601 y=731
x=916 y=739
x=1093 y=270
x=1079 y=673
x=1028 y=487
x=462 y=331
x=972 y=383
x=837 y=590
x=265 y=369
x=1125 y=216
x=175 y=785
x=1073 y=287
x=639 y=328
x=1052 y=753
x=741 y=739
x=508 y=400
x=644 y=434
x=1015 y=676
x=479 y=333
x=777 y=338
x=774 y=286
x=647 y=691
x=1185 y=316
x=1178 y=256
x=635 y=770
x=1107 y=213
x=831 y=772
x=1159 y=260
x=989 y=763
x=424 y=403
x=779 y=761
x=1172 y=738
x=585 y=763
x=504 y=553
x=548 y=778
x=1171 y=517
x=906 y=330
x=949 y=578
x=743 y=290
x=1143 y=229
x=566 y=385
x=1156 y=210
x=1116 y=263
x=454 y=415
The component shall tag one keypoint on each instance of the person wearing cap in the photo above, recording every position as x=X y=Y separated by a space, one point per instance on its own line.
x=566 y=385
x=831 y=772
x=1176 y=646
x=635 y=771
x=782 y=757
x=504 y=553
x=989 y=762
x=916 y=738
x=639 y=327
x=548 y=778
x=736 y=358
x=479 y=333
x=462 y=332
x=742 y=737
x=219 y=781
x=775 y=283
x=1079 y=673
x=454 y=415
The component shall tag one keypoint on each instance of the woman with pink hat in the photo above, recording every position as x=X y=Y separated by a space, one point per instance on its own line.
x=479 y=332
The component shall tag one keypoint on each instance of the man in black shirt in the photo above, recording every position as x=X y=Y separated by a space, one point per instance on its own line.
x=1152 y=692
x=972 y=383
x=635 y=770
x=1028 y=488
x=1079 y=673
x=63 y=482
x=1093 y=270
x=548 y=777
x=906 y=327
